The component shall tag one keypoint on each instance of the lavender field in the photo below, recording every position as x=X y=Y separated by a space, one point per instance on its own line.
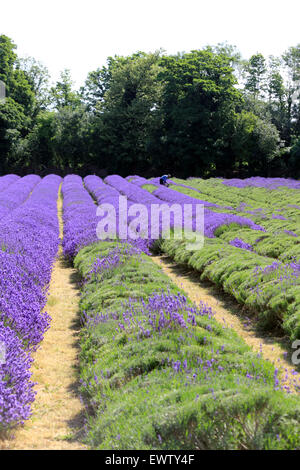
x=156 y=371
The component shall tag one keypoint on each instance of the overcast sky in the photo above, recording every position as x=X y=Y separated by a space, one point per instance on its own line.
x=80 y=35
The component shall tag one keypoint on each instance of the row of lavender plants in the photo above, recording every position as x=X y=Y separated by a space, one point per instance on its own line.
x=29 y=238
x=79 y=216
x=260 y=182
x=246 y=268
x=272 y=202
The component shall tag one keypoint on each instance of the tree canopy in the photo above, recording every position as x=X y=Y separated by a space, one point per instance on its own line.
x=203 y=113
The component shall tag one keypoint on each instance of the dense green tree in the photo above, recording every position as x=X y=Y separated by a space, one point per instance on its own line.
x=277 y=94
x=62 y=94
x=16 y=110
x=291 y=60
x=59 y=140
x=294 y=160
x=255 y=71
x=254 y=144
x=128 y=113
x=7 y=58
x=37 y=76
x=72 y=138
x=198 y=107
x=207 y=112
x=12 y=124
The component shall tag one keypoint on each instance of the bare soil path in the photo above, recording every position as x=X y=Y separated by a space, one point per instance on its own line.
x=229 y=313
x=57 y=414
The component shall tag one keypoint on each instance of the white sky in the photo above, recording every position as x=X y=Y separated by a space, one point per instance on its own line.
x=80 y=35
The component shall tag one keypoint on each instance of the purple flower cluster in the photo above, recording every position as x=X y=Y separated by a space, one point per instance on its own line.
x=109 y=194
x=29 y=238
x=16 y=388
x=133 y=192
x=291 y=233
x=165 y=311
x=80 y=213
x=239 y=243
x=114 y=258
x=278 y=216
x=138 y=180
x=282 y=276
x=16 y=193
x=6 y=180
x=79 y=216
x=175 y=197
x=161 y=311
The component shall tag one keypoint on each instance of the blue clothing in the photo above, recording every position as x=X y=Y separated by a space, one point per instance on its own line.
x=164 y=178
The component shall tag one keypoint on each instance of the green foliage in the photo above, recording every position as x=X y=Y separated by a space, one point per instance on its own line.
x=128 y=113
x=255 y=143
x=37 y=76
x=255 y=73
x=199 y=101
x=62 y=94
x=294 y=161
x=59 y=139
x=17 y=109
x=7 y=57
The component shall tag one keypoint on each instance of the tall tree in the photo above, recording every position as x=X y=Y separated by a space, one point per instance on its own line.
x=198 y=108
x=128 y=112
x=16 y=110
x=63 y=95
x=291 y=60
x=255 y=75
x=37 y=76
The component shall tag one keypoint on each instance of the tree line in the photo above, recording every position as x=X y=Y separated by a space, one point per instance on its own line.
x=202 y=113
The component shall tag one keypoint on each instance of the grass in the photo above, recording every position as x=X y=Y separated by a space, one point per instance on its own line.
x=193 y=387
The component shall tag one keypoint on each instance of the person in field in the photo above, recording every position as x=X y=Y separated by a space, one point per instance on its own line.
x=163 y=180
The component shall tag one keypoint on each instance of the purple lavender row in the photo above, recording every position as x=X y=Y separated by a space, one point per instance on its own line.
x=29 y=238
x=17 y=193
x=99 y=190
x=133 y=192
x=79 y=216
x=137 y=195
x=6 y=180
x=138 y=180
x=104 y=193
x=259 y=182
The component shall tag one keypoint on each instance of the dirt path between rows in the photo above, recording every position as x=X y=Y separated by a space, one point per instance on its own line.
x=228 y=312
x=57 y=414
